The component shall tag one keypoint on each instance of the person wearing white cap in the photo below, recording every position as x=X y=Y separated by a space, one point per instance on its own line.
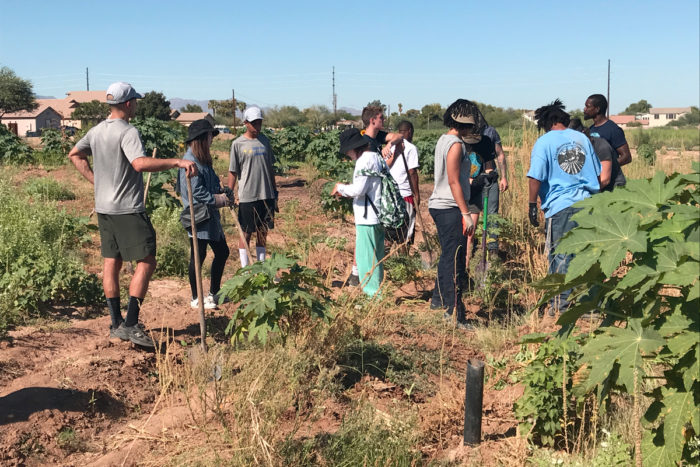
x=126 y=233
x=251 y=165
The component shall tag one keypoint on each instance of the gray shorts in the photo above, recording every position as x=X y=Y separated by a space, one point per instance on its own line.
x=130 y=237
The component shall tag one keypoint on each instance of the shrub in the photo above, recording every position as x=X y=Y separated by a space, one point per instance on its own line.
x=47 y=189
x=275 y=295
x=647 y=152
x=13 y=150
x=173 y=252
x=39 y=259
x=168 y=137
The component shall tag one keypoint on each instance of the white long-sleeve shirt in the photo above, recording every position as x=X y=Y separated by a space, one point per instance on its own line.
x=363 y=185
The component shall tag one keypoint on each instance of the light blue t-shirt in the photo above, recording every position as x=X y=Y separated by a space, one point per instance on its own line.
x=566 y=164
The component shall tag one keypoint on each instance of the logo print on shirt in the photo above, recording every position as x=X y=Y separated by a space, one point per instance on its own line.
x=571 y=158
x=475 y=165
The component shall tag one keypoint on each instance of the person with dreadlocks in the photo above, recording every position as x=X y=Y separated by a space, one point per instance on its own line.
x=564 y=169
x=448 y=207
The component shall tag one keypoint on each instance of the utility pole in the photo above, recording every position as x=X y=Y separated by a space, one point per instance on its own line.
x=335 y=97
x=87 y=78
x=608 y=112
x=233 y=101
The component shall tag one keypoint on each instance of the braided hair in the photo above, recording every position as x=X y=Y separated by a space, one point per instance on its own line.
x=464 y=108
x=549 y=115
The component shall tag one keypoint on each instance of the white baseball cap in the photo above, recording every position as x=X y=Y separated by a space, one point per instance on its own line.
x=120 y=92
x=252 y=113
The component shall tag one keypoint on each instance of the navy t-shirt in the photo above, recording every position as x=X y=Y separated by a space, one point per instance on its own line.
x=611 y=133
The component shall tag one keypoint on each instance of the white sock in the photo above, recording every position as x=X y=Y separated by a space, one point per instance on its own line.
x=355 y=272
x=243 y=253
x=260 y=253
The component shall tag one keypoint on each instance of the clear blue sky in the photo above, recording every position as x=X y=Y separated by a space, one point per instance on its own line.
x=506 y=53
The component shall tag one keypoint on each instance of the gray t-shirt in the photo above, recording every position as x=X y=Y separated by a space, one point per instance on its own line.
x=251 y=161
x=442 y=195
x=114 y=145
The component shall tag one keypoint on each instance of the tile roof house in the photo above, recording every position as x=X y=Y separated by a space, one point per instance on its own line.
x=661 y=116
x=186 y=118
x=67 y=105
x=623 y=121
x=23 y=122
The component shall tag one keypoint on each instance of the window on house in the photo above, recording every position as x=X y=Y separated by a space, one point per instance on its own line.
x=656 y=116
x=670 y=116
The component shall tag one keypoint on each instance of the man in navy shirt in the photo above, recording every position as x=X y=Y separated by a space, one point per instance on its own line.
x=595 y=108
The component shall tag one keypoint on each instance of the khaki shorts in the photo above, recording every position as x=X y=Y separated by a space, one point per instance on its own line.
x=127 y=236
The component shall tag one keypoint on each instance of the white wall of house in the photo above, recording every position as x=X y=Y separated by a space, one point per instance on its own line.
x=49 y=118
x=662 y=117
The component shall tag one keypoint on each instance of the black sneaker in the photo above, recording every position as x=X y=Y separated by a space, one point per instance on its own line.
x=353 y=281
x=136 y=335
x=436 y=306
x=118 y=333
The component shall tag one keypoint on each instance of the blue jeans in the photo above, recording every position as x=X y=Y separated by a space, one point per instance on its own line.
x=558 y=225
x=451 y=267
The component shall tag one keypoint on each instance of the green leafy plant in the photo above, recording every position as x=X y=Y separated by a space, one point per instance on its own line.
x=402 y=268
x=173 y=252
x=40 y=259
x=649 y=308
x=47 y=189
x=541 y=407
x=159 y=192
x=335 y=206
x=168 y=137
x=13 y=150
x=275 y=295
x=290 y=143
x=647 y=152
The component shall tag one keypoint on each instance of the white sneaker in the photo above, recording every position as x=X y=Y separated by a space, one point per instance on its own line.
x=209 y=303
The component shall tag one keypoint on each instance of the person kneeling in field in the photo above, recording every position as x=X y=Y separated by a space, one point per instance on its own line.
x=564 y=169
x=126 y=233
x=369 y=233
x=206 y=190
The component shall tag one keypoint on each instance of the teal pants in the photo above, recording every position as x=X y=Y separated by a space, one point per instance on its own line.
x=369 y=250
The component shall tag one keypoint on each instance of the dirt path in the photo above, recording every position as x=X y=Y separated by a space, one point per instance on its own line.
x=71 y=396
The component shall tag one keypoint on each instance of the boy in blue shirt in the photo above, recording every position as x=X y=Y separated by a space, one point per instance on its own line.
x=563 y=170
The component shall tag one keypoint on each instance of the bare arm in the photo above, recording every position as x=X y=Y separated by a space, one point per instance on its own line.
x=502 y=168
x=454 y=158
x=605 y=172
x=80 y=161
x=533 y=186
x=148 y=164
x=231 y=181
x=391 y=139
x=413 y=180
x=624 y=154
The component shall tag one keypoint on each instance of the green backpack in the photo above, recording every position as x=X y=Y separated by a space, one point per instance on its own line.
x=391 y=211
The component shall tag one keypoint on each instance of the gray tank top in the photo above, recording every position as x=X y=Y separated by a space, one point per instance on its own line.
x=442 y=195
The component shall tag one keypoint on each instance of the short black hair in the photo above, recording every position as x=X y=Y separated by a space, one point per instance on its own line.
x=576 y=124
x=460 y=108
x=600 y=102
x=549 y=115
x=405 y=124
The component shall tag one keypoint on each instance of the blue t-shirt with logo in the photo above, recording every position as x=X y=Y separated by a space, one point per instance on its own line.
x=566 y=165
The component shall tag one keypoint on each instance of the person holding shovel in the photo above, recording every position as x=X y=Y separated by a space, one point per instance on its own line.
x=206 y=191
x=448 y=207
x=126 y=233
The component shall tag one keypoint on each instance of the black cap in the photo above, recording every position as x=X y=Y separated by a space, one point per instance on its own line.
x=351 y=139
x=198 y=128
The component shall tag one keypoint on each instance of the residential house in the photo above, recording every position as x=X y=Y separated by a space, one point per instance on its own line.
x=624 y=121
x=23 y=122
x=186 y=118
x=661 y=116
x=68 y=104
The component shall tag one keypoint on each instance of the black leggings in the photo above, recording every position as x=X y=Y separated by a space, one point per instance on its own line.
x=221 y=252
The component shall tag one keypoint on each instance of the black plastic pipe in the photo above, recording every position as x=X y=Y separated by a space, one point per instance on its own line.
x=473 y=401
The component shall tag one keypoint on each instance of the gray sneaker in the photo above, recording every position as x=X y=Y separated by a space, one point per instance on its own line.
x=135 y=334
x=118 y=333
x=353 y=281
